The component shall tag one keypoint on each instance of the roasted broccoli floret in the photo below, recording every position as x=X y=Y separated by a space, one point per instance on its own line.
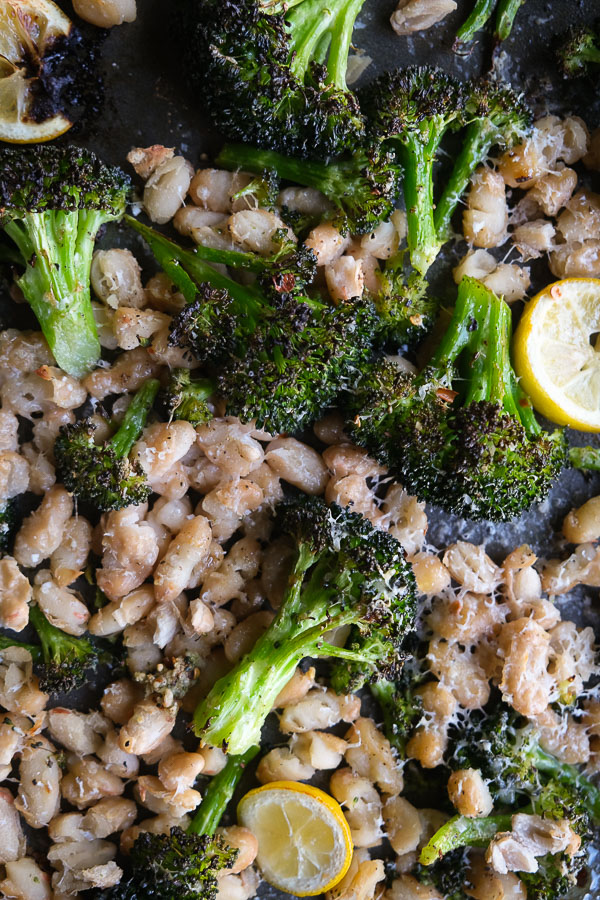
x=102 y=474
x=482 y=11
x=363 y=187
x=186 y=397
x=401 y=706
x=411 y=110
x=53 y=200
x=405 y=306
x=461 y=433
x=274 y=74
x=277 y=356
x=496 y=117
x=184 y=865
x=62 y=662
x=579 y=52
x=346 y=572
x=8 y=522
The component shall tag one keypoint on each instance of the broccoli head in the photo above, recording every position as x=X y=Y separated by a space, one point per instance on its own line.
x=8 y=523
x=461 y=434
x=346 y=572
x=406 y=309
x=103 y=474
x=186 y=397
x=274 y=74
x=53 y=201
x=579 y=52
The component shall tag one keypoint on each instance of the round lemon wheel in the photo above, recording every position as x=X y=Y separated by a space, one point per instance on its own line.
x=557 y=352
x=304 y=841
x=28 y=28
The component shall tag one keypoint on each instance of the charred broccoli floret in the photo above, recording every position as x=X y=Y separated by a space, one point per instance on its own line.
x=411 y=110
x=496 y=117
x=274 y=74
x=53 y=200
x=346 y=572
x=461 y=433
x=186 y=397
x=401 y=706
x=363 y=187
x=277 y=355
x=184 y=865
x=103 y=474
x=405 y=306
x=579 y=52
x=8 y=522
x=62 y=662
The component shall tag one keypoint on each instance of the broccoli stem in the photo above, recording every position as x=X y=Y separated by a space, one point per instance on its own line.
x=232 y=714
x=585 y=458
x=479 y=16
x=316 y=26
x=384 y=692
x=461 y=831
x=341 y=40
x=60 y=294
x=186 y=268
x=419 y=155
x=219 y=792
x=505 y=16
x=135 y=418
x=479 y=136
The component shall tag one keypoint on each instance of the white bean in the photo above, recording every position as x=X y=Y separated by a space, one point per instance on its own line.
x=42 y=531
x=15 y=594
x=38 y=799
x=116 y=278
x=185 y=551
x=61 y=606
x=166 y=188
x=105 y=13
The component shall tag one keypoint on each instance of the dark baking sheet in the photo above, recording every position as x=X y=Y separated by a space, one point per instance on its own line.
x=147 y=100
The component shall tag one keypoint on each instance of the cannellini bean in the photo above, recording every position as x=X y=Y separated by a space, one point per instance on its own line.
x=162 y=445
x=362 y=806
x=319 y=709
x=406 y=518
x=577 y=260
x=14 y=474
x=526 y=684
x=61 y=606
x=465 y=617
x=147 y=727
x=330 y=429
x=469 y=793
x=230 y=445
x=119 y=700
x=117 y=761
x=486 y=217
x=228 y=580
x=88 y=781
x=105 y=13
x=476 y=264
x=150 y=792
x=38 y=798
x=298 y=464
x=532 y=239
x=369 y=754
x=470 y=565
x=66 y=827
x=582 y=525
x=24 y=351
x=245 y=634
x=214 y=760
x=360 y=882
x=19 y=691
x=13 y=840
x=408 y=888
x=403 y=825
x=226 y=506
x=81 y=733
x=83 y=864
x=133 y=327
x=297 y=687
x=190 y=219
x=282 y=764
x=418 y=15
x=129 y=549
x=116 y=278
x=62 y=389
x=25 y=881
x=109 y=816
x=580 y=219
x=15 y=594
x=117 y=615
x=145 y=160
x=160 y=824
x=42 y=531
x=345 y=459
x=166 y=188
x=319 y=749
x=460 y=671
x=129 y=371
x=180 y=770
x=554 y=190
x=69 y=559
x=485 y=884
x=258 y=230
x=353 y=491
x=214 y=189
x=431 y=574
x=327 y=243
x=244 y=841
x=238 y=887
x=345 y=278
x=185 y=551
x=508 y=281
x=9 y=427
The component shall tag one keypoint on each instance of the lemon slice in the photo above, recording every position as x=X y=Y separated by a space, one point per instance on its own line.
x=304 y=842
x=29 y=29
x=557 y=353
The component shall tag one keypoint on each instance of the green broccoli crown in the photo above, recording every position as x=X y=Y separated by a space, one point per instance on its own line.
x=580 y=50
x=416 y=100
x=175 y=866
x=461 y=433
x=187 y=398
x=68 y=178
x=266 y=85
x=103 y=474
x=402 y=708
x=503 y=110
x=8 y=523
x=557 y=876
x=448 y=875
x=296 y=362
x=62 y=661
x=206 y=326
